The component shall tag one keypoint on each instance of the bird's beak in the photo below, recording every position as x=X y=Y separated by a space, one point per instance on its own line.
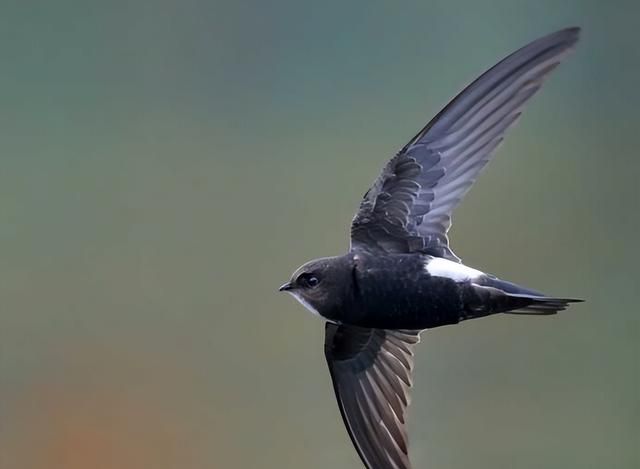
x=286 y=287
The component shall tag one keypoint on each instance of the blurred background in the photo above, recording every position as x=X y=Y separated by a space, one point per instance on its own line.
x=166 y=165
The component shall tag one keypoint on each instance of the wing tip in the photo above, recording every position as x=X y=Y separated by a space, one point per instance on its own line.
x=570 y=31
x=567 y=37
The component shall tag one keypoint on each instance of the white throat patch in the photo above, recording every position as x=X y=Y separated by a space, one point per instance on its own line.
x=439 y=267
x=304 y=303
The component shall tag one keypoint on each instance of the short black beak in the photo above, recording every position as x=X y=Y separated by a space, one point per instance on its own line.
x=286 y=287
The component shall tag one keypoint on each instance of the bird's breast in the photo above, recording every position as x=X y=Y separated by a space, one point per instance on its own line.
x=399 y=292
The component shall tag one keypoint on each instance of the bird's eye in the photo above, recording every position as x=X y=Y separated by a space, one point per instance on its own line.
x=309 y=280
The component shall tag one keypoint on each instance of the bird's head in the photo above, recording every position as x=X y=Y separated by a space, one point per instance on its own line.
x=321 y=284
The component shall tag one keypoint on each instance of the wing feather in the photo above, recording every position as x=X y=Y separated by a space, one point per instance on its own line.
x=408 y=208
x=371 y=374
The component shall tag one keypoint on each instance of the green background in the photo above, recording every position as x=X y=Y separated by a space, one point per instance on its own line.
x=166 y=165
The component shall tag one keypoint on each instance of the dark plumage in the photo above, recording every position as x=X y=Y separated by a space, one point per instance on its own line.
x=400 y=275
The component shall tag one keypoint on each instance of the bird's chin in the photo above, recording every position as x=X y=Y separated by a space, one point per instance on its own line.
x=304 y=302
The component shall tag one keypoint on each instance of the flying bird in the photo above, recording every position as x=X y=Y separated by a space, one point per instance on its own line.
x=400 y=275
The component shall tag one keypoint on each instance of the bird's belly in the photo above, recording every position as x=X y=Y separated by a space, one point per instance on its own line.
x=410 y=303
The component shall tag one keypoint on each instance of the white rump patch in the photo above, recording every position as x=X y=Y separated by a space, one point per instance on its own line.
x=304 y=303
x=439 y=267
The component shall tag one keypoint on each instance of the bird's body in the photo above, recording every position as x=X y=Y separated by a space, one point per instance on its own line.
x=416 y=291
x=400 y=275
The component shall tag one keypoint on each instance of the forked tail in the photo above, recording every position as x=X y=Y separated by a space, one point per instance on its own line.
x=541 y=305
x=491 y=295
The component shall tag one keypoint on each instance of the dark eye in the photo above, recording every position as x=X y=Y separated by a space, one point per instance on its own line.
x=308 y=280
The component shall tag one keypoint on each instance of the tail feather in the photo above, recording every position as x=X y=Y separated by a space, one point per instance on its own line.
x=542 y=305
x=490 y=295
x=509 y=287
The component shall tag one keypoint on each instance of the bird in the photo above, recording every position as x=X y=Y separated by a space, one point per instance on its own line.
x=400 y=275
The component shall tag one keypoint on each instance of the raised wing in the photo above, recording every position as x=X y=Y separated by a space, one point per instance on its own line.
x=371 y=374
x=408 y=208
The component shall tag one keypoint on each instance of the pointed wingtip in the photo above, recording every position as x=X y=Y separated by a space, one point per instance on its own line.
x=571 y=35
x=575 y=30
x=565 y=38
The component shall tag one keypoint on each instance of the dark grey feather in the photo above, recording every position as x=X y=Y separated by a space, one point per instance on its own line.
x=408 y=208
x=371 y=374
